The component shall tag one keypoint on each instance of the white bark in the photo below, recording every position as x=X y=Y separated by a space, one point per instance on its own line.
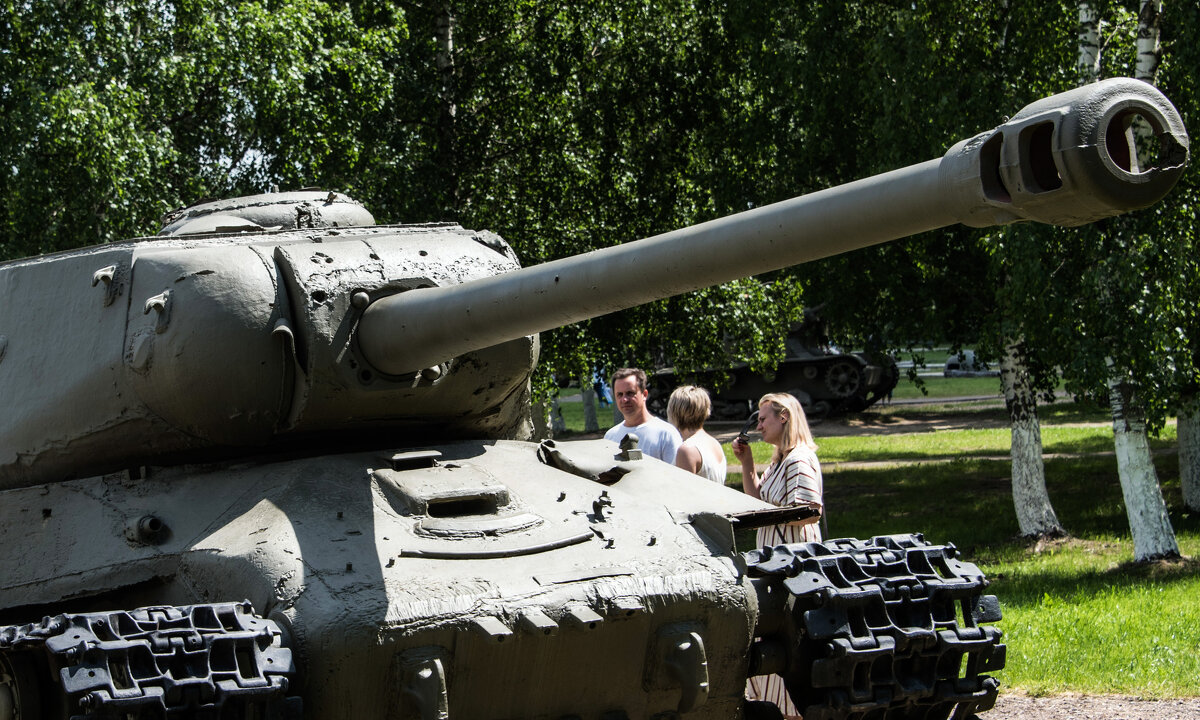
x=1153 y=536
x=1035 y=514
x=541 y=422
x=557 y=425
x=1188 y=429
x=1149 y=51
x=588 y=396
x=444 y=33
x=1089 y=41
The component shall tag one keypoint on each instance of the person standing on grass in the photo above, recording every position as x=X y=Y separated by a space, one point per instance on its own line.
x=656 y=437
x=794 y=475
x=792 y=478
x=687 y=409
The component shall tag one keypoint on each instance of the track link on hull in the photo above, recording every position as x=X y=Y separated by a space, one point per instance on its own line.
x=885 y=629
x=196 y=661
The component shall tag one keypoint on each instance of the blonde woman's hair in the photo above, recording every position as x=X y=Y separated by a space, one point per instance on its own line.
x=795 y=427
x=688 y=407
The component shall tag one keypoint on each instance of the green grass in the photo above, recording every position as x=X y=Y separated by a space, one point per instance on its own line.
x=940 y=387
x=1079 y=616
x=993 y=442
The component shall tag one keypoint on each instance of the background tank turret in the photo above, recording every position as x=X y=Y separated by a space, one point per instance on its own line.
x=823 y=378
x=272 y=462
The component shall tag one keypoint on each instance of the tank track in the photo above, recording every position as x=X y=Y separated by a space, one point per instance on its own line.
x=884 y=629
x=196 y=661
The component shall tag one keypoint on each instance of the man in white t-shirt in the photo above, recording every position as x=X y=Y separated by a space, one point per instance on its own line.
x=656 y=437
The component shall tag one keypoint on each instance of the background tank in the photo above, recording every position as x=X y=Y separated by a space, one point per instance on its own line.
x=823 y=378
x=271 y=464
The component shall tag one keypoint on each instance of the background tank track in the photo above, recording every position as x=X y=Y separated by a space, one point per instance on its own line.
x=884 y=629
x=198 y=661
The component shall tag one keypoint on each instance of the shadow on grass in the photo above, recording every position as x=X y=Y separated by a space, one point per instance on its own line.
x=968 y=502
x=1072 y=580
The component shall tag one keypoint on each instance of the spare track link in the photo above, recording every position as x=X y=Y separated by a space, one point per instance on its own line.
x=885 y=629
x=199 y=661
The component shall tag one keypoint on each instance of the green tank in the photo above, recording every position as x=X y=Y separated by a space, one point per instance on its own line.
x=824 y=379
x=276 y=462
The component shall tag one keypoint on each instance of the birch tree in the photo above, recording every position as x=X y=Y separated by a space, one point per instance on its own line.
x=1188 y=436
x=1035 y=514
x=1153 y=536
x=1149 y=523
x=1180 y=35
x=1031 y=501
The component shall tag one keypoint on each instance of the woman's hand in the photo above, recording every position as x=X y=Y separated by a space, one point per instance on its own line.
x=741 y=450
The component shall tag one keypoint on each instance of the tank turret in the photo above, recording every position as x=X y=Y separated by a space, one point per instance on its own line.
x=270 y=462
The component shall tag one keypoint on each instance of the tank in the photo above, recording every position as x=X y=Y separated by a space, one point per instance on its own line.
x=824 y=379
x=275 y=462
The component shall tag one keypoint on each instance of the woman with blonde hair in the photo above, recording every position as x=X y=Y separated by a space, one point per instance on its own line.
x=794 y=475
x=687 y=409
x=792 y=478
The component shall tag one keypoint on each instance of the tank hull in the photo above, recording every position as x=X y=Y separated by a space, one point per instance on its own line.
x=502 y=568
x=442 y=581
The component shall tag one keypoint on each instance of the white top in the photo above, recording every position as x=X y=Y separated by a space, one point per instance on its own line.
x=656 y=438
x=711 y=467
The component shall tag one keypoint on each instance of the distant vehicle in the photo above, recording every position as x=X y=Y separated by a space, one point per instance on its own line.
x=824 y=379
x=966 y=364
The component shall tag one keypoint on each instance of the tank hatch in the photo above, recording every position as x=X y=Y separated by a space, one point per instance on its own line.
x=298 y=210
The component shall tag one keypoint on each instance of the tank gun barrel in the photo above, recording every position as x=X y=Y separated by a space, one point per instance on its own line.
x=1067 y=160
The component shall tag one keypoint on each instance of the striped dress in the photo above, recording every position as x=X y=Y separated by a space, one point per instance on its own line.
x=796 y=479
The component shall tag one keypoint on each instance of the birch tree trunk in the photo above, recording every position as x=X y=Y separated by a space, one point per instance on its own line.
x=1035 y=514
x=557 y=425
x=1149 y=50
x=1153 y=536
x=1189 y=450
x=1089 y=41
x=447 y=151
x=588 y=396
x=1149 y=54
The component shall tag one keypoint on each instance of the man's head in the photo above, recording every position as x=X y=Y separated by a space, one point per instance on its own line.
x=629 y=390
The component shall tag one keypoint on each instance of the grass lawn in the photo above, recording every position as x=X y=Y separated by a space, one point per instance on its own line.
x=1079 y=616
x=939 y=387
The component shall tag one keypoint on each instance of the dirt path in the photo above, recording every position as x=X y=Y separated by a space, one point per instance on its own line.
x=1071 y=706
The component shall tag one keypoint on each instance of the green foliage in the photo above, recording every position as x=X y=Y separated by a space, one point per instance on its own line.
x=118 y=112
x=899 y=84
x=567 y=128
